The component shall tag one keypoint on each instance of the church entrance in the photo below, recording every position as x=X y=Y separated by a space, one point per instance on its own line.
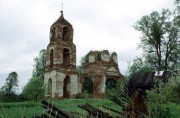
x=88 y=87
x=66 y=87
x=111 y=87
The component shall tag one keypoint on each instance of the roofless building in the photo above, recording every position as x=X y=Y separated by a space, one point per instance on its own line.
x=61 y=76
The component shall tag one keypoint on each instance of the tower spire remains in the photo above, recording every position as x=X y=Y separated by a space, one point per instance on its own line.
x=62 y=8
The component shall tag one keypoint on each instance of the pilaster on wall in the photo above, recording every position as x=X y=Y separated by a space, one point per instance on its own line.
x=53 y=87
x=59 y=88
x=74 y=84
x=103 y=85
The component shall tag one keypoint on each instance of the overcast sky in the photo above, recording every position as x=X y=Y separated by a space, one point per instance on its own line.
x=98 y=25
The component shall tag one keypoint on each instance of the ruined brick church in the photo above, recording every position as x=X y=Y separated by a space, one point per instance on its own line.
x=61 y=76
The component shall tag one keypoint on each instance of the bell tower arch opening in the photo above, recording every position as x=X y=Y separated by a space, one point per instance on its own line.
x=51 y=57
x=52 y=34
x=66 y=57
x=65 y=34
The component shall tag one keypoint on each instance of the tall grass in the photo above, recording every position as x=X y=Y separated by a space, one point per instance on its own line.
x=28 y=109
x=20 y=109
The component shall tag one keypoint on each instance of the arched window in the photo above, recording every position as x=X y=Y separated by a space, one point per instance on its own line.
x=51 y=57
x=52 y=34
x=66 y=87
x=65 y=33
x=66 y=57
x=50 y=87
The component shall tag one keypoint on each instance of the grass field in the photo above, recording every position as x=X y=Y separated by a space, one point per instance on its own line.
x=28 y=109
x=20 y=109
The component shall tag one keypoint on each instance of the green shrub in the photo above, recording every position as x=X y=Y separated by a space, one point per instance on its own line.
x=112 y=92
x=34 y=90
x=161 y=112
x=160 y=98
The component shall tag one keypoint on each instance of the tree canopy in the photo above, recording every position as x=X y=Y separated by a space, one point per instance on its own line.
x=34 y=89
x=40 y=64
x=139 y=65
x=11 y=84
x=160 y=39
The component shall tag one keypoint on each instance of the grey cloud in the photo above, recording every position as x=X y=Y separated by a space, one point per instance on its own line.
x=102 y=24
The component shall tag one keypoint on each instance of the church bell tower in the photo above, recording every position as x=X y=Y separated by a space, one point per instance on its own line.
x=61 y=77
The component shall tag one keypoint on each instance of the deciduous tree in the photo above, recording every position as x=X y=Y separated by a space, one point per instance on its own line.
x=40 y=64
x=11 y=84
x=160 y=39
x=139 y=65
x=34 y=89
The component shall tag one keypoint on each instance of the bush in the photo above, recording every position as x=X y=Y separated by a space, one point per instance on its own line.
x=34 y=90
x=161 y=96
x=112 y=92
x=12 y=98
